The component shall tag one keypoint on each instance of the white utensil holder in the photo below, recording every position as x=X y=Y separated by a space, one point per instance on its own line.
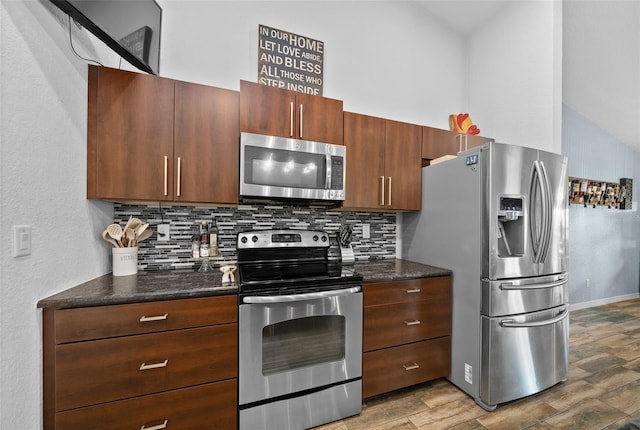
x=125 y=261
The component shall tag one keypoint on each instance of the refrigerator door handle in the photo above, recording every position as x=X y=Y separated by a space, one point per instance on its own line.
x=507 y=286
x=510 y=324
x=547 y=213
x=537 y=214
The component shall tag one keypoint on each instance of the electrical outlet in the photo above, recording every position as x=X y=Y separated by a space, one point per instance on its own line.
x=366 y=231
x=587 y=283
x=164 y=231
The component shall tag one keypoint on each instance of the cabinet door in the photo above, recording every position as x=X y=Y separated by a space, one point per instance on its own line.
x=276 y=112
x=364 y=139
x=437 y=143
x=206 y=144
x=209 y=406
x=319 y=119
x=403 y=164
x=98 y=371
x=129 y=135
x=402 y=366
x=266 y=110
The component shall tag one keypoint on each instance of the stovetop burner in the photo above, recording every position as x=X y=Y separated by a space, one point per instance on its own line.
x=276 y=262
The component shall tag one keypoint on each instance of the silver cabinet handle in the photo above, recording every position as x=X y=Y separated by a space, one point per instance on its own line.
x=382 y=190
x=291 y=119
x=301 y=120
x=410 y=366
x=414 y=322
x=459 y=139
x=145 y=366
x=166 y=173
x=156 y=427
x=389 y=178
x=145 y=318
x=412 y=291
x=179 y=169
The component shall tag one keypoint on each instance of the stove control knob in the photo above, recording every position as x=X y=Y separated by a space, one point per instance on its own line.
x=244 y=239
x=315 y=237
x=254 y=239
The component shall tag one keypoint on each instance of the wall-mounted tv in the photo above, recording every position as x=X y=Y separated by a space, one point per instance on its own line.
x=131 y=28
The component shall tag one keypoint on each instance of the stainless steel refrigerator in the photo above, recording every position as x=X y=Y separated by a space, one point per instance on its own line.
x=496 y=215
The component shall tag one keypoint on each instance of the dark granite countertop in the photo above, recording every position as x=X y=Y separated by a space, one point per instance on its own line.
x=396 y=270
x=143 y=287
x=181 y=284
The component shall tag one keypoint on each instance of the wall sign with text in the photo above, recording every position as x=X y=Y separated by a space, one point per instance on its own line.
x=290 y=61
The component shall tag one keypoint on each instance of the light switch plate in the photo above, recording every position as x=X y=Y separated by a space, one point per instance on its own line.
x=164 y=232
x=21 y=240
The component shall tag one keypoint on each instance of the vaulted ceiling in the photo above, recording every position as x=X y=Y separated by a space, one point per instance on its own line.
x=601 y=56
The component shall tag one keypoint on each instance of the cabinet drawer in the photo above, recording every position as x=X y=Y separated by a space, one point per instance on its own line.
x=400 y=323
x=389 y=369
x=381 y=293
x=88 y=373
x=210 y=406
x=121 y=320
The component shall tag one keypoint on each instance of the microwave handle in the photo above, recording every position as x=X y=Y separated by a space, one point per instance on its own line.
x=327 y=181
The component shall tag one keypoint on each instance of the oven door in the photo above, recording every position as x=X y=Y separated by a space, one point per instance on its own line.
x=288 y=344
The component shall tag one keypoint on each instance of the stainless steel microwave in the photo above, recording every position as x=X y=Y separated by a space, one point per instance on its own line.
x=279 y=167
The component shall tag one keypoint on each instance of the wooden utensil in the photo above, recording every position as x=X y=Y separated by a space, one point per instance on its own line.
x=105 y=236
x=115 y=232
x=144 y=235
x=131 y=237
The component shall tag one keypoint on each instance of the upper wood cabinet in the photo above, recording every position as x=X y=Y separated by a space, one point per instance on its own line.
x=403 y=166
x=156 y=139
x=206 y=144
x=437 y=142
x=129 y=135
x=383 y=164
x=276 y=112
x=364 y=139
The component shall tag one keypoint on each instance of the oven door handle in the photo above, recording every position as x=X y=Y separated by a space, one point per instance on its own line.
x=300 y=297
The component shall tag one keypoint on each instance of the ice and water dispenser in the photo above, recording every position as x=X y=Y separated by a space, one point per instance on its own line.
x=511 y=227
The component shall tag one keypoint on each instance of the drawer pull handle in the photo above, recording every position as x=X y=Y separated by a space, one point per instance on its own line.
x=410 y=366
x=157 y=427
x=414 y=322
x=145 y=366
x=413 y=291
x=156 y=318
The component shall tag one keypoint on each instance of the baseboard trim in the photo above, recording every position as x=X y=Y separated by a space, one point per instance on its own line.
x=605 y=301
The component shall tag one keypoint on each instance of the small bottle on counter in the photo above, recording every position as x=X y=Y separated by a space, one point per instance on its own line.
x=195 y=246
x=213 y=239
x=204 y=239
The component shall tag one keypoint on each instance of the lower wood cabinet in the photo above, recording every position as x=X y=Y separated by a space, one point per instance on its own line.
x=142 y=365
x=209 y=406
x=407 y=333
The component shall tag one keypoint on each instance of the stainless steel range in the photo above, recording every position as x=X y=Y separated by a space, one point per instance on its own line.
x=300 y=332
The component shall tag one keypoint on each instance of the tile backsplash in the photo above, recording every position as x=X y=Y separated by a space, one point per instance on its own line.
x=175 y=253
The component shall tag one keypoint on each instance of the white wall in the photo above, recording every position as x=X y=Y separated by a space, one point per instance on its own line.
x=42 y=184
x=382 y=58
x=515 y=75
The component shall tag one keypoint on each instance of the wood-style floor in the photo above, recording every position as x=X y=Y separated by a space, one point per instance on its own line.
x=603 y=390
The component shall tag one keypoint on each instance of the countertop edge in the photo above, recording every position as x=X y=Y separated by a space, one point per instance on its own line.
x=175 y=285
